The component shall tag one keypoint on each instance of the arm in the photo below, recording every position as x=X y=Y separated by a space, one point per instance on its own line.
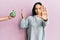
x=44 y=22
x=24 y=23
x=44 y=16
x=5 y=18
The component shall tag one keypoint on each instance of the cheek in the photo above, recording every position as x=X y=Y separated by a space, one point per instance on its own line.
x=39 y=11
x=36 y=11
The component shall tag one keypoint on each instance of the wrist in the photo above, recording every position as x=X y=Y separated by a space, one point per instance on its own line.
x=9 y=17
x=45 y=19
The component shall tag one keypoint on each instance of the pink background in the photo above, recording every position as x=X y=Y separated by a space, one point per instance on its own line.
x=10 y=30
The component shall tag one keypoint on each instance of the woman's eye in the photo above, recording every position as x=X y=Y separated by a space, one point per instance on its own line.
x=39 y=8
x=35 y=8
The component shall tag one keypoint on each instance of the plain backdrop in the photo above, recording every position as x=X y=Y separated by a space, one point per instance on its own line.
x=10 y=30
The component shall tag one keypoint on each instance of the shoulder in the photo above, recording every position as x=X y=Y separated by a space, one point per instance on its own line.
x=29 y=17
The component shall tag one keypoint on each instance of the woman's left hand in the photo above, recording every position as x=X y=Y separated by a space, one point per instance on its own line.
x=44 y=13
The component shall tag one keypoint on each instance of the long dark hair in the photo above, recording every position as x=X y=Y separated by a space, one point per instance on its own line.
x=33 y=9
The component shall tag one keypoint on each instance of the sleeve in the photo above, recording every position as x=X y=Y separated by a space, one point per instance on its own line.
x=44 y=23
x=24 y=23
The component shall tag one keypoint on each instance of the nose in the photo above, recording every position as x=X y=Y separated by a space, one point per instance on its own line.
x=38 y=10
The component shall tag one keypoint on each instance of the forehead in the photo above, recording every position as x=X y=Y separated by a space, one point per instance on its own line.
x=38 y=6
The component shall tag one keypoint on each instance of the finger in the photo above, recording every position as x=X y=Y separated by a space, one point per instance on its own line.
x=21 y=11
x=44 y=7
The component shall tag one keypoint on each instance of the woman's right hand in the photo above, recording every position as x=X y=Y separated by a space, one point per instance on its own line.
x=22 y=13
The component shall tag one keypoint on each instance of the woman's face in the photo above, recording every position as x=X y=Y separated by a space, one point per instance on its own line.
x=38 y=9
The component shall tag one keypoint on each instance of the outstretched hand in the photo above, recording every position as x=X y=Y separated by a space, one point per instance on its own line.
x=44 y=13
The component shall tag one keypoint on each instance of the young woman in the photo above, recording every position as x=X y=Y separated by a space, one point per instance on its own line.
x=35 y=23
